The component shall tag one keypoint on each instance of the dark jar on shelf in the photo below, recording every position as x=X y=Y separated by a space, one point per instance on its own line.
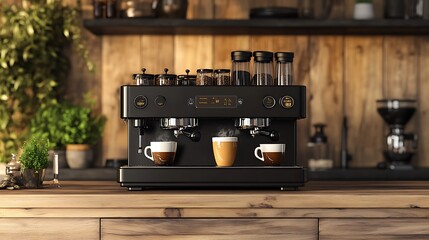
x=240 y=75
x=263 y=69
x=99 y=8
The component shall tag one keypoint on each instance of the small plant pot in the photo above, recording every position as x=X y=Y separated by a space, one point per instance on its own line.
x=79 y=156
x=32 y=178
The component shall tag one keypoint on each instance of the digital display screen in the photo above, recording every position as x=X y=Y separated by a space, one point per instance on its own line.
x=215 y=101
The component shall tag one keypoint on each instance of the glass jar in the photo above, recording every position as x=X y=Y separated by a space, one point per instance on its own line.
x=318 y=150
x=144 y=79
x=240 y=75
x=166 y=79
x=186 y=80
x=14 y=167
x=284 y=68
x=263 y=70
x=204 y=77
x=222 y=77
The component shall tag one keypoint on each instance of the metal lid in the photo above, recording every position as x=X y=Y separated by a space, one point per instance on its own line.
x=205 y=70
x=241 y=56
x=142 y=75
x=222 y=71
x=284 y=56
x=263 y=56
x=166 y=75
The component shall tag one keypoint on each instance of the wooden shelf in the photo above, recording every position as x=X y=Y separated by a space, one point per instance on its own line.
x=256 y=26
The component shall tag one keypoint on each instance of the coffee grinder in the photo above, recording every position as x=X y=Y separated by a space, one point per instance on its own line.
x=399 y=146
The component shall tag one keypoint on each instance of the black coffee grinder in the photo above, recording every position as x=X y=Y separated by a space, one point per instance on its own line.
x=399 y=146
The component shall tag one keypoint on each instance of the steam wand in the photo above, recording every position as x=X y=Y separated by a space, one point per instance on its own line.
x=273 y=135
x=195 y=136
x=140 y=124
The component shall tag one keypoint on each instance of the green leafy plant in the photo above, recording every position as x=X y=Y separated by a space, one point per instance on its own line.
x=33 y=36
x=35 y=153
x=47 y=123
x=81 y=125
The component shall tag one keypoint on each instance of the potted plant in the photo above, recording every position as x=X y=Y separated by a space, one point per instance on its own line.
x=33 y=37
x=81 y=129
x=34 y=160
x=47 y=123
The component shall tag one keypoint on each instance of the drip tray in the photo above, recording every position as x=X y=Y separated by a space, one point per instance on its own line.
x=139 y=177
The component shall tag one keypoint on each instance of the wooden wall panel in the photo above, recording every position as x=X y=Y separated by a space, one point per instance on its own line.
x=423 y=104
x=157 y=53
x=326 y=88
x=231 y=9
x=200 y=9
x=120 y=58
x=363 y=86
x=192 y=52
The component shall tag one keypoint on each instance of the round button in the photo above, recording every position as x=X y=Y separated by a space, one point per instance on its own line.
x=160 y=101
x=140 y=101
x=287 y=102
x=269 y=102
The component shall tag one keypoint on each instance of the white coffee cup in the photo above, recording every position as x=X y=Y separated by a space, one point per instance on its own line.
x=224 y=150
x=162 y=153
x=271 y=154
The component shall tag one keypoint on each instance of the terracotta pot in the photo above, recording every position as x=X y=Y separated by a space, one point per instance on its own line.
x=32 y=178
x=79 y=156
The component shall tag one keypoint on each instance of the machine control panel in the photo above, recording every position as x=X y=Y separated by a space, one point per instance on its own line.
x=287 y=102
x=269 y=102
x=216 y=101
x=140 y=102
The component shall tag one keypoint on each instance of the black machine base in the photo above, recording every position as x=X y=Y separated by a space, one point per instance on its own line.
x=140 y=177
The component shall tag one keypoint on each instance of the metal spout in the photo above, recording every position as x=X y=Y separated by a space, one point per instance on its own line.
x=194 y=135
x=273 y=135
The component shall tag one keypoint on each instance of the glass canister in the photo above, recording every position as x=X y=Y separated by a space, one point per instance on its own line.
x=204 y=77
x=319 y=150
x=222 y=77
x=240 y=75
x=284 y=68
x=186 y=80
x=165 y=79
x=263 y=70
x=144 y=79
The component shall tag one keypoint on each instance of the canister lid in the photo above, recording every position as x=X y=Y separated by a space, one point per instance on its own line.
x=222 y=71
x=143 y=75
x=284 y=56
x=241 y=56
x=205 y=70
x=166 y=75
x=263 y=56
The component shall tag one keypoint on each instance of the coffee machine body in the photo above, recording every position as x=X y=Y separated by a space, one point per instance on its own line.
x=216 y=108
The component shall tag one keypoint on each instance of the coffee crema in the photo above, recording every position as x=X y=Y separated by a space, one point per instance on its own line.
x=163 y=158
x=273 y=158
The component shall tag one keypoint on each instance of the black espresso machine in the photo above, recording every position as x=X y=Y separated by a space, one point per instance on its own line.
x=192 y=115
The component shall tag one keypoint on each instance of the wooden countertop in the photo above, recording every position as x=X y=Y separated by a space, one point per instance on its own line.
x=327 y=199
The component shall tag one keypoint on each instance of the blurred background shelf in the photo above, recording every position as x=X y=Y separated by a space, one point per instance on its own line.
x=255 y=26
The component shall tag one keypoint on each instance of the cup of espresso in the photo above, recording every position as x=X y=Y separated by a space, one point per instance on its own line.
x=224 y=150
x=271 y=154
x=162 y=153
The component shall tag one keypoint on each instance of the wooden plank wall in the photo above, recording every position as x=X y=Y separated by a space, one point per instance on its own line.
x=344 y=74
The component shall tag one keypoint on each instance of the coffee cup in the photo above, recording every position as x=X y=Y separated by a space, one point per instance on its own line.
x=224 y=150
x=271 y=154
x=162 y=153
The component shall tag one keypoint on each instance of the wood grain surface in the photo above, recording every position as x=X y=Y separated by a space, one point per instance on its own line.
x=49 y=228
x=374 y=229
x=423 y=104
x=209 y=229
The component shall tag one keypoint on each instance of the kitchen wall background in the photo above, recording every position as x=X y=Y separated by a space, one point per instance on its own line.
x=345 y=74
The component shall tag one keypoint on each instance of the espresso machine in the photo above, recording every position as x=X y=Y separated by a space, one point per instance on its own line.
x=159 y=112
x=399 y=146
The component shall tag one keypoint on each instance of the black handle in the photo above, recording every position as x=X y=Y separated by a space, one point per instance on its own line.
x=273 y=135
x=195 y=136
